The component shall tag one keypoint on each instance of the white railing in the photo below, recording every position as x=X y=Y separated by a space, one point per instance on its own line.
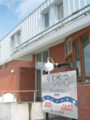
x=17 y=96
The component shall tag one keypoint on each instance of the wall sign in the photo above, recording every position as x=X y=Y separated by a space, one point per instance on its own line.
x=59 y=94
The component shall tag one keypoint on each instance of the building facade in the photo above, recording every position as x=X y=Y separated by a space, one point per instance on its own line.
x=59 y=29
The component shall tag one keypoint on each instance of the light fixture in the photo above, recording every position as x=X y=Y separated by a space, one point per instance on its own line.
x=12 y=71
x=49 y=66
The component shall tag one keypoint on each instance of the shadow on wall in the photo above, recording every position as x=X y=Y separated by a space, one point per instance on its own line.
x=8 y=97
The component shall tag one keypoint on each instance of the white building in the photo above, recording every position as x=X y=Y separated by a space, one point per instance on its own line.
x=59 y=29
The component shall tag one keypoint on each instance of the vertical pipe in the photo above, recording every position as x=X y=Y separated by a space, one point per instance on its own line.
x=47 y=116
x=34 y=96
x=2 y=96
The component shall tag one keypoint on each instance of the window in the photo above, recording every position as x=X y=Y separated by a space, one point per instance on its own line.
x=15 y=39
x=86 y=56
x=77 y=52
x=77 y=59
x=40 y=59
x=18 y=38
x=13 y=44
x=46 y=20
x=45 y=56
x=60 y=11
x=81 y=57
x=39 y=83
x=68 y=52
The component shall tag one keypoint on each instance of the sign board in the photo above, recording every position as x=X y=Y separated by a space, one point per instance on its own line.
x=59 y=94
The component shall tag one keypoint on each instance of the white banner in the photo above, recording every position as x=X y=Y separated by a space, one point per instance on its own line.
x=59 y=94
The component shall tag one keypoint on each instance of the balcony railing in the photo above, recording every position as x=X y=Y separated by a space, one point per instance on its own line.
x=19 y=96
x=52 y=29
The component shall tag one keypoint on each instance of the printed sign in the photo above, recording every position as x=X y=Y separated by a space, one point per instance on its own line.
x=59 y=94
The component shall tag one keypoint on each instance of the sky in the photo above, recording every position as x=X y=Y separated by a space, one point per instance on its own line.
x=12 y=12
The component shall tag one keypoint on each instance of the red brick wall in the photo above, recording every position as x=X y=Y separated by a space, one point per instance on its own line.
x=84 y=102
x=27 y=82
x=12 y=81
x=57 y=53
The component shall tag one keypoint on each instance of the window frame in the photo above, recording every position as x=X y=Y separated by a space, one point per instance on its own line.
x=68 y=53
x=45 y=26
x=78 y=37
x=39 y=69
x=14 y=39
x=58 y=11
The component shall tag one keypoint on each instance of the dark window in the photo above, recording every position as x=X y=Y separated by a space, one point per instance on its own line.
x=39 y=83
x=77 y=58
x=86 y=56
x=60 y=11
x=46 y=20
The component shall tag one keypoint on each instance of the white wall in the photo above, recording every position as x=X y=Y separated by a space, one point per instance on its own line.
x=32 y=25
x=5 y=111
x=21 y=111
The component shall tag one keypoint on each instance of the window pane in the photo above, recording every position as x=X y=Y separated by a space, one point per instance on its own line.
x=66 y=50
x=18 y=38
x=70 y=60
x=39 y=58
x=69 y=46
x=46 y=20
x=86 y=53
x=45 y=56
x=39 y=83
x=77 y=58
x=13 y=43
x=60 y=11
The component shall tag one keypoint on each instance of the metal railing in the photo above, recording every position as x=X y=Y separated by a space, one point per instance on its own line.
x=12 y=96
x=57 y=26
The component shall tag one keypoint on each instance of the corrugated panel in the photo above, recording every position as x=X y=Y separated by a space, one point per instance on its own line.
x=71 y=6
x=76 y=3
x=66 y=10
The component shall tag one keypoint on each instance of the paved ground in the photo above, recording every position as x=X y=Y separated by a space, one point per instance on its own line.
x=56 y=119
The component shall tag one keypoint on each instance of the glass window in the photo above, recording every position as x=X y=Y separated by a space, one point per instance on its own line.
x=69 y=46
x=68 y=52
x=39 y=83
x=45 y=56
x=77 y=58
x=39 y=58
x=13 y=42
x=15 y=39
x=46 y=17
x=86 y=54
x=60 y=11
x=18 y=38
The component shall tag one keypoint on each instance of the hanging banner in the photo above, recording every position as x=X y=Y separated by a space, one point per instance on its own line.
x=59 y=94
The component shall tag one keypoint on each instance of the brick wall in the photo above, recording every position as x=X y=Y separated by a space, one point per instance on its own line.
x=57 y=53
x=11 y=81
x=84 y=102
x=27 y=82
